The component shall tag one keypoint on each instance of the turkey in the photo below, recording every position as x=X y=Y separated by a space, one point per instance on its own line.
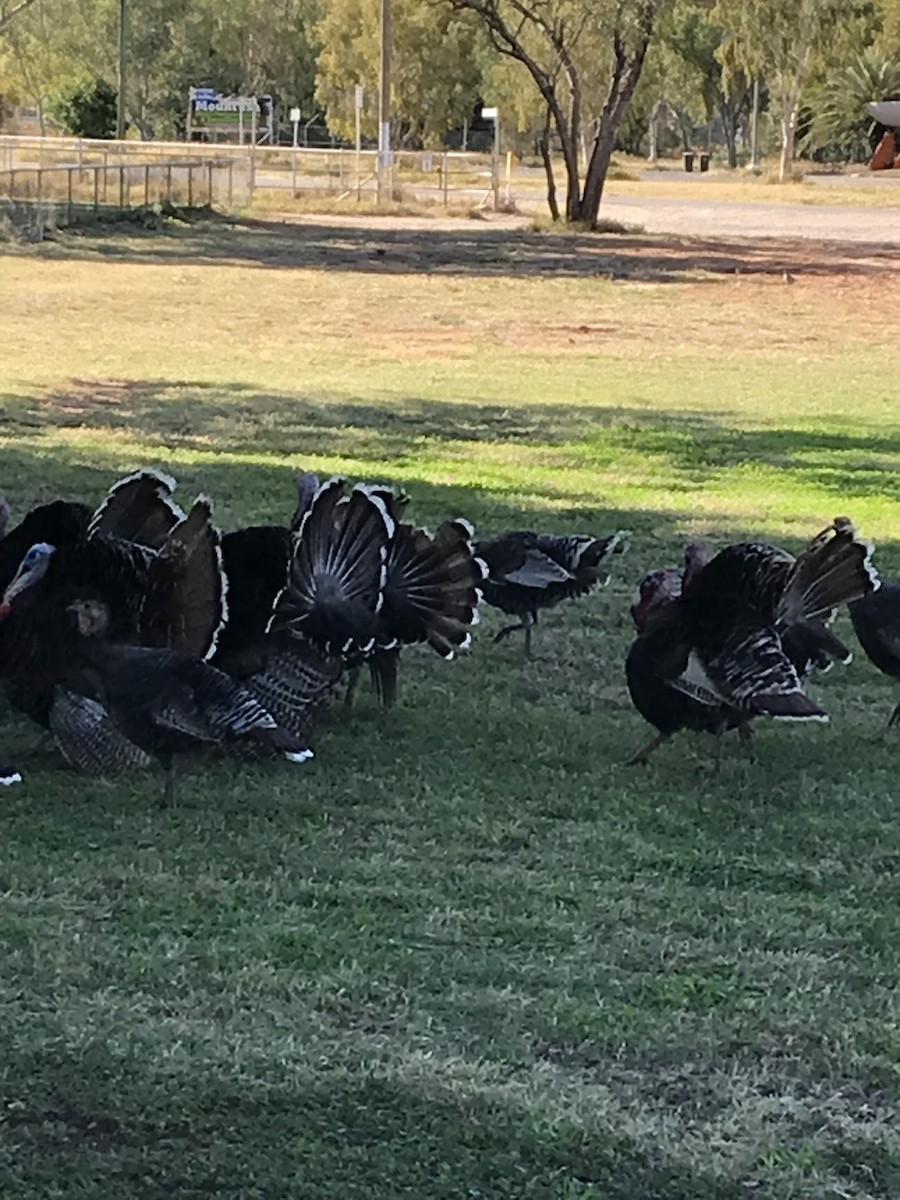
x=735 y=636
x=529 y=571
x=431 y=592
x=876 y=622
x=337 y=570
x=170 y=595
x=256 y=561
x=166 y=702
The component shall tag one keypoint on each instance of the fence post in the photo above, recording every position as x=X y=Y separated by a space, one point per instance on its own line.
x=169 y=184
x=69 y=195
x=341 y=167
x=445 y=181
x=96 y=189
x=190 y=185
x=209 y=173
x=146 y=186
x=105 y=174
x=230 y=182
x=121 y=186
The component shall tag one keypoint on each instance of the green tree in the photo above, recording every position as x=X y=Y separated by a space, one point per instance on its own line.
x=585 y=58
x=709 y=54
x=436 y=70
x=86 y=108
x=786 y=44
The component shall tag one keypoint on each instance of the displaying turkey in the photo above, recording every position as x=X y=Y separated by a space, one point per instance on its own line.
x=736 y=636
x=530 y=571
x=661 y=652
x=876 y=622
x=338 y=570
x=171 y=595
x=166 y=702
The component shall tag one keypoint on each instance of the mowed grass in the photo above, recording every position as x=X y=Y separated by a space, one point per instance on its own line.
x=466 y=951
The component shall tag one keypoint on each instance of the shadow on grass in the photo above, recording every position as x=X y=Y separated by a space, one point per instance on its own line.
x=279 y=433
x=472 y=249
x=350 y=1137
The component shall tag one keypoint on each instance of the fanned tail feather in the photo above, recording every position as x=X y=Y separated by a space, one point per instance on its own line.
x=139 y=508
x=337 y=572
x=835 y=569
x=186 y=604
x=433 y=588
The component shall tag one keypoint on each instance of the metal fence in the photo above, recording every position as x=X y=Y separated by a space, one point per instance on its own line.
x=74 y=173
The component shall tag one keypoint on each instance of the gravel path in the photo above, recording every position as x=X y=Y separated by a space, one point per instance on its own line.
x=722 y=218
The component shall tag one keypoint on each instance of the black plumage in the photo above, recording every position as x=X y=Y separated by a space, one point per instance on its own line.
x=530 y=571
x=876 y=622
x=170 y=596
x=165 y=702
x=431 y=594
x=338 y=570
x=739 y=635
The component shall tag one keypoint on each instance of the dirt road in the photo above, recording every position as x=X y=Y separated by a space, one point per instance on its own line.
x=723 y=218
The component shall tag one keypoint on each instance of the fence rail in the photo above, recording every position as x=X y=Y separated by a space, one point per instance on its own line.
x=79 y=171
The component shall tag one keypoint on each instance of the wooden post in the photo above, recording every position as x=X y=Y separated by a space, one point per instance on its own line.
x=146 y=186
x=96 y=189
x=121 y=186
x=209 y=189
x=230 y=182
x=190 y=185
x=69 y=195
x=105 y=174
x=446 y=181
x=169 y=184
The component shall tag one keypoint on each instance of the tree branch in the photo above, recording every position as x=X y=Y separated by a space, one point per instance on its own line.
x=6 y=15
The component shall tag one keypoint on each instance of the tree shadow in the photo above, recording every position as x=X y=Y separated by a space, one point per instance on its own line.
x=245 y=442
x=471 y=249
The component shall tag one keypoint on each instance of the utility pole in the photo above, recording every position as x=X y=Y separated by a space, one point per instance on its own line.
x=120 y=73
x=384 y=105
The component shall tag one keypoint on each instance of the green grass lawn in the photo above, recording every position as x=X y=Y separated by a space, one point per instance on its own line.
x=465 y=952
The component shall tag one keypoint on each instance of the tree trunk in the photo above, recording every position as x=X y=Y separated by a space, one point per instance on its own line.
x=547 y=160
x=626 y=73
x=729 y=128
x=789 y=113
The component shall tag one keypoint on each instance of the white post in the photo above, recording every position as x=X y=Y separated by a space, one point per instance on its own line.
x=358 y=102
x=252 y=153
x=384 y=104
x=493 y=114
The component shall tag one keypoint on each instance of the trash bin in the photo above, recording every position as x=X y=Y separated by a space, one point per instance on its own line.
x=704 y=163
x=689 y=160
